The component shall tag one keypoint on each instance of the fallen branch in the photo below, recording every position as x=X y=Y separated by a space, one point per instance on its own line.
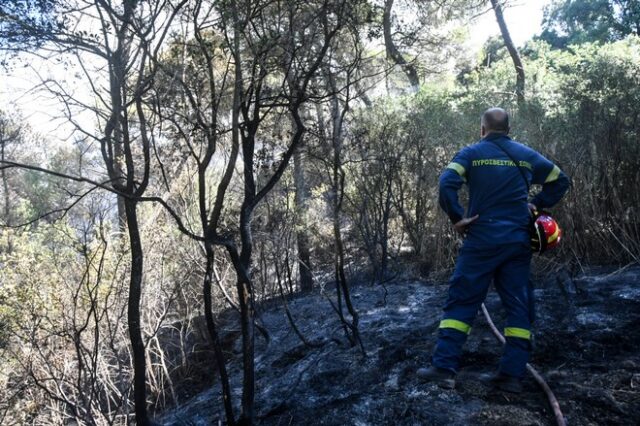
x=555 y=405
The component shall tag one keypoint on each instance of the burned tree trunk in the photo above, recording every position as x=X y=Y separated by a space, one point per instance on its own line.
x=302 y=233
x=133 y=314
x=215 y=338
x=338 y=113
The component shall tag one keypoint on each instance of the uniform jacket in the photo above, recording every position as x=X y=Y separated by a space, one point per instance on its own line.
x=497 y=190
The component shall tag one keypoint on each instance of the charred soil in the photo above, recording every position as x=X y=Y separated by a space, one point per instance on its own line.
x=587 y=346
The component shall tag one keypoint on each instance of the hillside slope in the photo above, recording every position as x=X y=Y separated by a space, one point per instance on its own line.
x=586 y=346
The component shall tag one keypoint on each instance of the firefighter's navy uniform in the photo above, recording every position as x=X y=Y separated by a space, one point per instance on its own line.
x=497 y=244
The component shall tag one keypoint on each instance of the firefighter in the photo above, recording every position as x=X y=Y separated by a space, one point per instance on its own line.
x=497 y=245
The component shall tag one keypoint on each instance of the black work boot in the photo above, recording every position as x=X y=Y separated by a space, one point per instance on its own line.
x=444 y=378
x=506 y=383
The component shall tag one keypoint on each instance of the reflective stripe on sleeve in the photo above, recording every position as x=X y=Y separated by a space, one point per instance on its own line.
x=459 y=168
x=517 y=332
x=455 y=324
x=555 y=172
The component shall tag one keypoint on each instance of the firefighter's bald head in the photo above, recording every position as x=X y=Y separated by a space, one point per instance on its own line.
x=494 y=120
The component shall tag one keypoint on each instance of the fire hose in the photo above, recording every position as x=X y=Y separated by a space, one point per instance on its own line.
x=553 y=402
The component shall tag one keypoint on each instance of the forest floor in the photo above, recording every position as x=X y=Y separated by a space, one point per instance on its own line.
x=587 y=346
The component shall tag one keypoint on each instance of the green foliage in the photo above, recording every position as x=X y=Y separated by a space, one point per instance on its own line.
x=569 y=22
x=581 y=112
x=32 y=277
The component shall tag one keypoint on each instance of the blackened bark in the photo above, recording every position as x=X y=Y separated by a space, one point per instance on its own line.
x=242 y=261
x=294 y=327
x=302 y=234
x=133 y=315
x=215 y=339
x=338 y=177
x=122 y=215
x=342 y=286
x=247 y=313
x=386 y=216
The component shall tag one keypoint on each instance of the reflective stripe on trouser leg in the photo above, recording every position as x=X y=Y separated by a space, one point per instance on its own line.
x=512 y=284
x=453 y=334
x=517 y=351
x=522 y=333
x=456 y=325
x=467 y=289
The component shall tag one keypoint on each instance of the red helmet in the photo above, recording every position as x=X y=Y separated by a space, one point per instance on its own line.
x=546 y=233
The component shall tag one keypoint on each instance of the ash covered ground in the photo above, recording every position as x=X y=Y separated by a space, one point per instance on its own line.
x=587 y=346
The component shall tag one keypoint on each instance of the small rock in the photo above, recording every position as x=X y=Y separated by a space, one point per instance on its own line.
x=635 y=381
x=629 y=365
x=392 y=382
x=557 y=374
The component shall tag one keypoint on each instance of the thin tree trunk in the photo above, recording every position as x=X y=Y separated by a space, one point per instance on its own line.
x=247 y=313
x=342 y=286
x=294 y=327
x=302 y=235
x=4 y=139
x=337 y=137
x=392 y=50
x=241 y=261
x=122 y=215
x=133 y=315
x=515 y=56
x=386 y=214
x=5 y=186
x=215 y=339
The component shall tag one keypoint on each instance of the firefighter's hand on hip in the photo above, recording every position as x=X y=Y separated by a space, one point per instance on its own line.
x=461 y=226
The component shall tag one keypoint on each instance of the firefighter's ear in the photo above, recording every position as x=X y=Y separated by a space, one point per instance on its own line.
x=483 y=132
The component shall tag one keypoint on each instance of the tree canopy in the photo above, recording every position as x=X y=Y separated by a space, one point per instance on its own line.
x=568 y=22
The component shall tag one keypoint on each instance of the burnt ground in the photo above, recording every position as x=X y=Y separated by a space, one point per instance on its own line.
x=587 y=346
